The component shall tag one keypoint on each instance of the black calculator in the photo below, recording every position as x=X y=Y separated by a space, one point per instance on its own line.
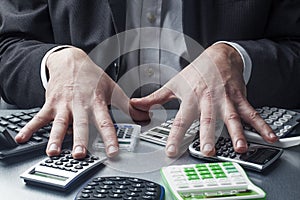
x=121 y=187
x=60 y=172
x=12 y=123
x=257 y=158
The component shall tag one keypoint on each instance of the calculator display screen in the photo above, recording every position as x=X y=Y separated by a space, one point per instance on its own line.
x=157 y=130
x=259 y=155
x=50 y=176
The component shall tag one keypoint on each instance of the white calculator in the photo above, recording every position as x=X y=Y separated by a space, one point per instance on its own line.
x=127 y=134
x=159 y=134
x=60 y=172
x=221 y=180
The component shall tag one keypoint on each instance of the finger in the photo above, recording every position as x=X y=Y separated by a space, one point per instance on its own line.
x=251 y=117
x=120 y=100
x=106 y=128
x=80 y=132
x=42 y=118
x=58 y=131
x=183 y=120
x=160 y=97
x=235 y=128
x=207 y=125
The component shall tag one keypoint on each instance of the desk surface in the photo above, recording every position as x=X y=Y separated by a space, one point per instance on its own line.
x=280 y=181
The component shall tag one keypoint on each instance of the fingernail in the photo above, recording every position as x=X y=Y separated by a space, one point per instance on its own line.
x=112 y=150
x=272 y=135
x=240 y=144
x=20 y=135
x=171 y=149
x=207 y=148
x=78 y=149
x=53 y=147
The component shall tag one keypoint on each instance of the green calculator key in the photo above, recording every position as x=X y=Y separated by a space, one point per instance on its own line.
x=222 y=180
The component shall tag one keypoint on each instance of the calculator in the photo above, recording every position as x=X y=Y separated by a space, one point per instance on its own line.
x=60 y=172
x=121 y=187
x=159 y=134
x=282 y=121
x=221 y=180
x=257 y=158
x=12 y=123
x=127 y=134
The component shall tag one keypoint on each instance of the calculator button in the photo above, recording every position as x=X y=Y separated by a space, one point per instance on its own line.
x=108 y=187
x=59 y=163
x=277 y=123
x=49 y=161
x=78 y=167
x=135 y=190
x=74 y=161
x=102 y=191
x=85 y=196
x=121 y=187
x=84 y=163
x=99 y=196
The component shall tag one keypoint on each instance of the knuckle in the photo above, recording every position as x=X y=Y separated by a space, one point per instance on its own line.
x=179 y=123
x=61 y=121
x=100 y=100
x=253 y=115
x=232 y=116
x=207 y=121
x=82 y=123
x=208 y=94
x=40 y=118
x=106 y=124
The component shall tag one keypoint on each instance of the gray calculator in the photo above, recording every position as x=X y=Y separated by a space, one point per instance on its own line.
x=282 y=121
x=60 y=172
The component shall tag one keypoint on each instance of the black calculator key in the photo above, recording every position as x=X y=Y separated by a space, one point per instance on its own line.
x=118 y=187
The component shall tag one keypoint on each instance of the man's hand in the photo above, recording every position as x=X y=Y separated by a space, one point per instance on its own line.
x=211 y=87
x=78 y=91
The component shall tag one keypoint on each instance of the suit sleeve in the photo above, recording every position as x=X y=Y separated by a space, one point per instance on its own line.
x=275 y=76
x=25 y=37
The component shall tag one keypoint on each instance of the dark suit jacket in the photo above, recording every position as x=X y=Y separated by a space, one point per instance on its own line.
x=269 y=30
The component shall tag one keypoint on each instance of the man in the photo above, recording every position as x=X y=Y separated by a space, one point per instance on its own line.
x=212 y=86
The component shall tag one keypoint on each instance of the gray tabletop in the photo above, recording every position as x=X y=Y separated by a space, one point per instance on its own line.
x=280 y=181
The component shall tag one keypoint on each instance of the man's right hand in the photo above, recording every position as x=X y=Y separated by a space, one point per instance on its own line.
x=78 y=92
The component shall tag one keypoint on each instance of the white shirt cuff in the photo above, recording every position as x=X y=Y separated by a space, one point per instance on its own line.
x=43 y=63
x=245 y=58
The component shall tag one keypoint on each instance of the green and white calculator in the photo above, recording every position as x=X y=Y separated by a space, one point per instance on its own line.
x=214 y=181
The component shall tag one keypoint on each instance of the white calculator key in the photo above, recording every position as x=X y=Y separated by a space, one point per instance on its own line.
x=277 y=123
x=283 y=120
x=287 y=116
x=273 y=117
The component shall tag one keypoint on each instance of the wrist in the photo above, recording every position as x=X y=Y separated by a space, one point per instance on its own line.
x=222 y=53
x=64 y=55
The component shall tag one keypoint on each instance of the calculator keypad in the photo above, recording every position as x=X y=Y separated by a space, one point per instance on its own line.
x=223 y=147
x=281 y=121
x=121 y=188
x=124 y=131
x=66 y=162
x=11 y=124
